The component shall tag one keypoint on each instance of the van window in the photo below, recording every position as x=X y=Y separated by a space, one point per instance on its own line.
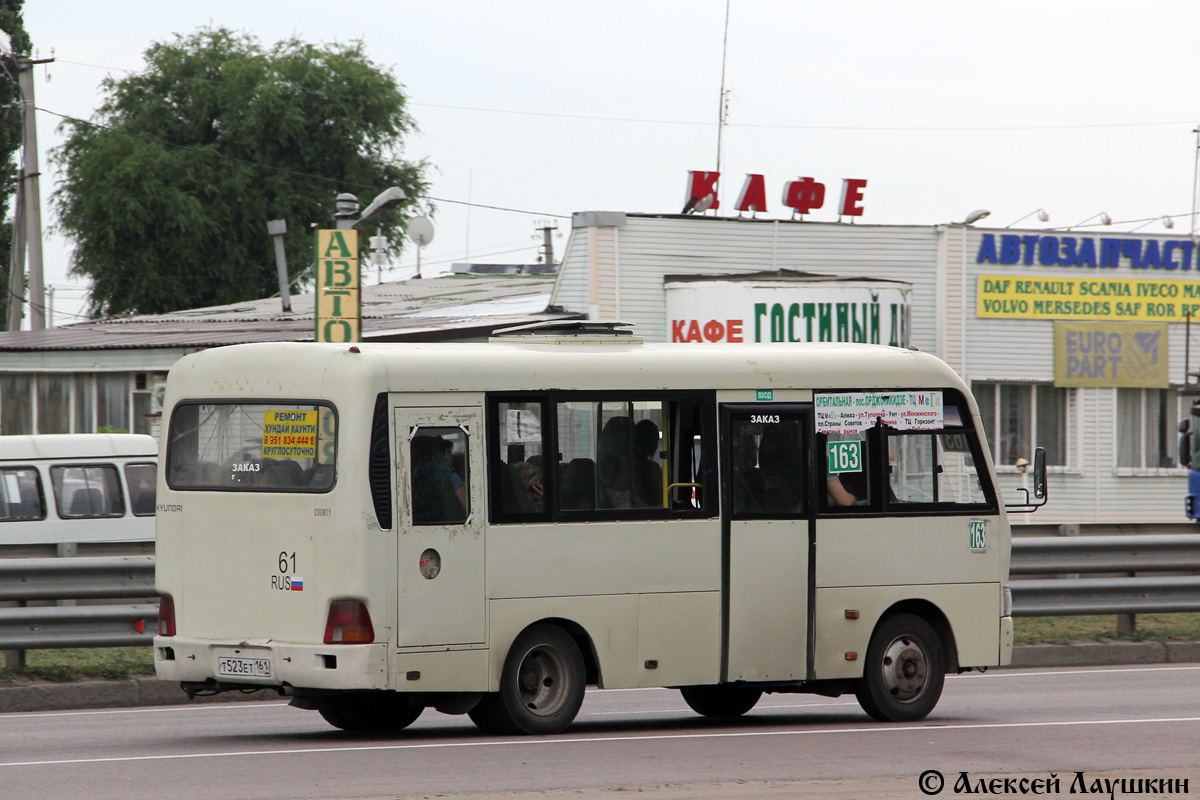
x=142 y=481
x=87 y=491
x=440 y=488
x=252 y=447
x=602 y=455
x=21 y=495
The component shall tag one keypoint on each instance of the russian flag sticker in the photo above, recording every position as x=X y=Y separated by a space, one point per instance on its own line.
x=297 y=584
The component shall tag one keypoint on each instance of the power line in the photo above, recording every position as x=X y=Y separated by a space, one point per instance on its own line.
x=285 y=170
x=765 y=126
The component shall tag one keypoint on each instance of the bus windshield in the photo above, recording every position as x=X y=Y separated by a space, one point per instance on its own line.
x=257 y=447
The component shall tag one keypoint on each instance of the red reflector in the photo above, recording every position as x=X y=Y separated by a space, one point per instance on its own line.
x=166 y=616
x=348 y=623
x=140 y=626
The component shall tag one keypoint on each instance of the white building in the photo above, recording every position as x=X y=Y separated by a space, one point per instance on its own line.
x=1072 y=340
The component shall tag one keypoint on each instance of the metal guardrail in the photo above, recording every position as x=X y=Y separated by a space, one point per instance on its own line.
x=131 y=578
x=26 y=580
x=1126 y=593
x=1045 y=555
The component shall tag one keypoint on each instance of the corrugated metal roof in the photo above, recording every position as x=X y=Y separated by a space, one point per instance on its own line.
x=446 y=307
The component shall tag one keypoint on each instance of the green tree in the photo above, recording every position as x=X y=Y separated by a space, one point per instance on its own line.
x=167 y=192
x=10 y=136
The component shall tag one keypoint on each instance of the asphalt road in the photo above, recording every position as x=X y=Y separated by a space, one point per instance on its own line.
x=1124 y=721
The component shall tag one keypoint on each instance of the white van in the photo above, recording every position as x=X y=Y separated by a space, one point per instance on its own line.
x=77 y=488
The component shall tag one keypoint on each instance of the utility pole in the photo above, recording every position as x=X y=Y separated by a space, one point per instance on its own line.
x=548 y=240
x=16 y=267
x=32 y=194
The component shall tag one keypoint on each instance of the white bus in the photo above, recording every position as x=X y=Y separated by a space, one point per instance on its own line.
x=487 y=529
x=77 y=488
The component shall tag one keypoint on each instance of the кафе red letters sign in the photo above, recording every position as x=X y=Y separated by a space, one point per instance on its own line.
x=803 y=196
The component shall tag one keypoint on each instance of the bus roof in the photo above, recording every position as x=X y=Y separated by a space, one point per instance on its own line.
x=525 y=364
x=76 y=445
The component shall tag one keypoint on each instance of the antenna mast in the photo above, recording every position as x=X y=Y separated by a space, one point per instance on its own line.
x=721 y=106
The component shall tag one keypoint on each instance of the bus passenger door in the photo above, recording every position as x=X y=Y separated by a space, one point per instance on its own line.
x=440 y=527
x=766 y=513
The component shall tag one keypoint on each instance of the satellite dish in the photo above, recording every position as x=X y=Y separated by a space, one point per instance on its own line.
x=420 y=231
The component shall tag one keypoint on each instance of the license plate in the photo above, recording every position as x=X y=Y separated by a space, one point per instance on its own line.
x=244 y=667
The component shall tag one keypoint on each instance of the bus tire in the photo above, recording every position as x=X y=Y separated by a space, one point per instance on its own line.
x=380 y=712
x=904 y=671
x=541 y=685
x=726 y=701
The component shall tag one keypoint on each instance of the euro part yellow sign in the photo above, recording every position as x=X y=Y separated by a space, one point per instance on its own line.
x=289 y=434
x=1110 y=354
x=1010 y=297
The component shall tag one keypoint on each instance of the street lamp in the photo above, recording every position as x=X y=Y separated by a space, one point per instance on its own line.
x=1042 y=216
x=346 y=215
x=1104 y=218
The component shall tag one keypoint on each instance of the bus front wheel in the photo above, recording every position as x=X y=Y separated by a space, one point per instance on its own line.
x=541 y=686
x=726 y=701
x=904 y=671
x=377 y=711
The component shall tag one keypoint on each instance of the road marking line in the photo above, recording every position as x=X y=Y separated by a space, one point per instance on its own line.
x=525 y=742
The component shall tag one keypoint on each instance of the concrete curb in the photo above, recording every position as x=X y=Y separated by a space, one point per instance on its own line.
x=61 y=696
x=27 y=696
x=1092 y=654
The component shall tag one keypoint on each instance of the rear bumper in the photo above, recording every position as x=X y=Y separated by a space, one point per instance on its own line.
x=306 y=666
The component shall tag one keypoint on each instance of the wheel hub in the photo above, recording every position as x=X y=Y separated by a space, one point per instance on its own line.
x=905 y=669
x=540 y=681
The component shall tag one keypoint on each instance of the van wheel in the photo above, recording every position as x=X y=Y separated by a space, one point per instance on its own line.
x=379 y=712
x=904 y=671
x=726 y=701
x=541 y=686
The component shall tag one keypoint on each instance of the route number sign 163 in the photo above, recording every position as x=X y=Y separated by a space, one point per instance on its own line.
x=843 y=457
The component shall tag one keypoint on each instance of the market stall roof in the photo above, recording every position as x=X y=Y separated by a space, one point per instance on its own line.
x=444 y=308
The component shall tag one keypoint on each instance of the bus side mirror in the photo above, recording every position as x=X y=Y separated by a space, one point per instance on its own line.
x=1185 y=449
x=1039 y=474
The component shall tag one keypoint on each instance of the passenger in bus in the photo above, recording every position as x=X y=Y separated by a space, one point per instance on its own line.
x=433 y=498
x=530 y=477
x=460 y=486
x=647 y=473
x=577 y=488
x=838 y=493
x=613 y=455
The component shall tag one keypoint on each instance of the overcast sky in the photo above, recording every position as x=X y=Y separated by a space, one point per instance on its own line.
x=554 y=107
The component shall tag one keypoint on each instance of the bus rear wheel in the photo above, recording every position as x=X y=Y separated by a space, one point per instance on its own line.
x=904 y=671
x=379 y=712
x=541 y=686
x=726 y=701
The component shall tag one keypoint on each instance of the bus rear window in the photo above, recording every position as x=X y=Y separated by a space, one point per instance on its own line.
x=252 y=447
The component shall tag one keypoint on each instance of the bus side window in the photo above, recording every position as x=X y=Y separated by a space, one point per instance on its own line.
x=519 y=468
x=21 y=495
x=87 y=491
x=141 y=480
x=934 y=467
x=440 y=492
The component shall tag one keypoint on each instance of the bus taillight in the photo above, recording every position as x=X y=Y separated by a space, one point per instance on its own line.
x=348 y=623
x=166 y=615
